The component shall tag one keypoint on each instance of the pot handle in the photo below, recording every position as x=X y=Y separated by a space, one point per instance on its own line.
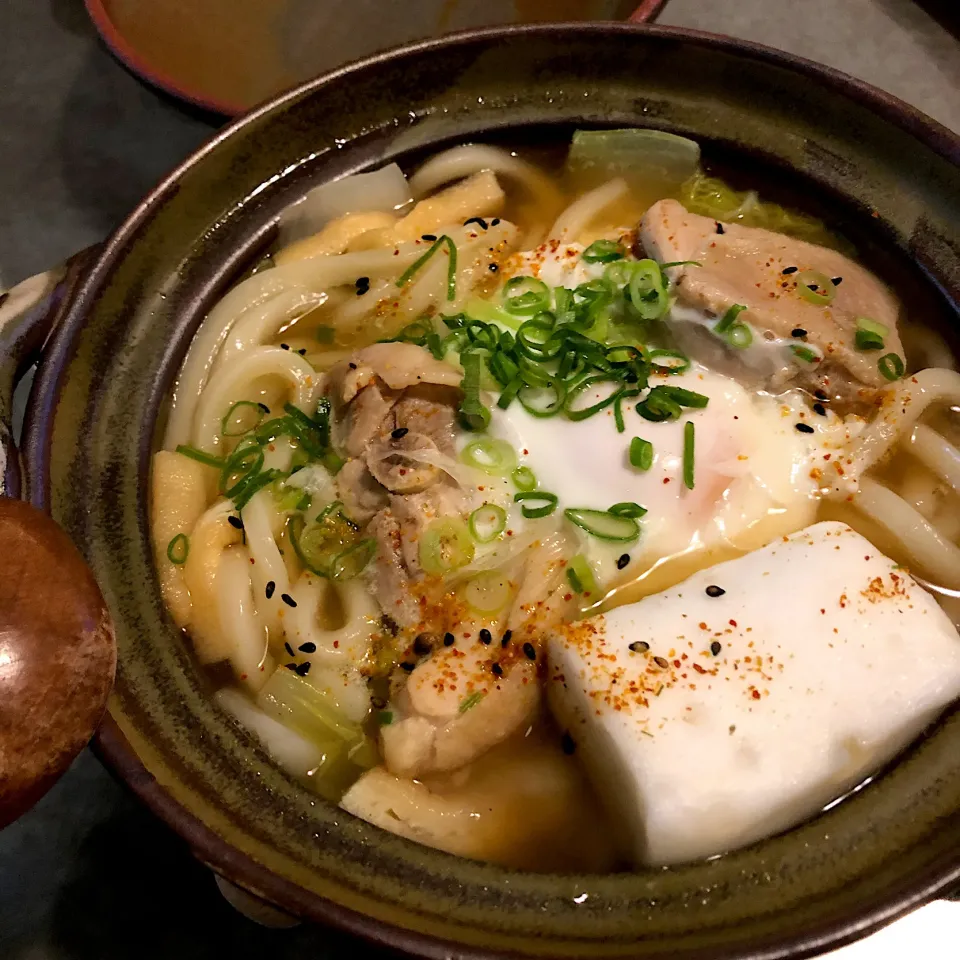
x=57 y=649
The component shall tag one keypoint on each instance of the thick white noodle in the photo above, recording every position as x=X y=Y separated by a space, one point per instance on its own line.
x=232 y=383
x=936 y=453
x=584 y=210
x=346 y=645
x=936 y=556
x=460 y=162
x=241 y=626
x=919 y=489
x=260 y=522
x=901 y=407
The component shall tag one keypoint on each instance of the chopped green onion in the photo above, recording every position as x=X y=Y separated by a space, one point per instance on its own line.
x=680 y=263
x=618 y=412
x=618 y=273
x=350 y=563
x=494 y=457
x=681 y=364
x=178 y=549
x=657 y=407
x=201 y=457
x=509 y=393
x=603 y=251
x=686 y=398
x=641 y=453
x=739 y=336
x=488 y=592
x=891 y=366
x=408 y=274
x=581 y=577
x=524 y=479
x=648 y=290
x=622 y=354
x=325 y=334
x=865 y=340
x=804 y=353
x=872 y=326
x=535 y=340
x=487 y=522
x=582 y=413
x=688 y=452
x=604 y=525
x=473 y=413
x=385 y=718
x=445 y=546
x=547 y=503
x=728 y=319
x=815 y=287
x=628 y=509
x=526 y=295
x=231 y=415
x=468 y=702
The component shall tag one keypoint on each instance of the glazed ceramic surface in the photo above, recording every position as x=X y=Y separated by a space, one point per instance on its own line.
x=100 y=396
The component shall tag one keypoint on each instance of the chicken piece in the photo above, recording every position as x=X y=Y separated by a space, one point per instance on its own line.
x=398 y=365
x=362 y=496
x=355 y=425
x=395 y=462
x=416 y=511
x=454 y=709
x=745 y=265
x=431 y=410
x=388 y=577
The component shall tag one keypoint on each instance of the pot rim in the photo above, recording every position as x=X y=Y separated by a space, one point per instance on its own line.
x=110 y=743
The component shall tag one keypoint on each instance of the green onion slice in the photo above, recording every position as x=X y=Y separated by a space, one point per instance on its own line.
x=739 y=336
x=445 y=546
x=178 y=549
x=806 y=354
x=669 y=361
x=864 y=340
x=891 y=366
x=547 y=503
x=641 y=453
x=494 y=457
x=686 y=398
x=487 y=522
x=241 y=418
x=648 y=290
x=604 y=525
x=526 y=295
x=872 y=326
x=688 y=454
x=524 y=479
x=575 y=412
x=488 y=592
x=471 y=701
x=815 y=287
x=535 y=338
x=473 y=413
x=581 y=577
x=628 y=509
x=728 y=319
x=350 y=563
x=201 y=457
x=409 y=273
x=603 y=251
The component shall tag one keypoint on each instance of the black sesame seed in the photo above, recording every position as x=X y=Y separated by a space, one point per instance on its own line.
x=798 y=332
x=506 y=638
x=789 y=269
x=308 y=647
x=235 y=522
x=303 y=669
x=497 y=669
x=639 y=646
x=409 y=667
x=486 y=636
x=813 y=286
x=661 y=662
x=529 y=652
x=493 y=268
x=804 y=427
x=400 y=433
x=289 y=649
x=284 y=346
x=429 y=237
x=363 y=281
x=623 y=560
x=719 y=227
x=716 y=647
x=422 y=645
x=291 y=666
x=820 y=409
x=352 y=366
x=820 y=395
x=302 y=351
x=836 y=281
x=478 y=220
x=263 y=407
x=495 y=222
x=288 y=600
x=270 y=587
x=714 y=591
x=567 y=744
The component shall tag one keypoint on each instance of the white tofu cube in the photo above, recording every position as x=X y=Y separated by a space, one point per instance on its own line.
x=771 y=685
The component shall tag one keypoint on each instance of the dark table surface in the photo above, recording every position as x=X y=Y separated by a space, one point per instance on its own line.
x=89 y=874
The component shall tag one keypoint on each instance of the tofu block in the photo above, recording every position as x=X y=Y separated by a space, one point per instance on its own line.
x=743 y=700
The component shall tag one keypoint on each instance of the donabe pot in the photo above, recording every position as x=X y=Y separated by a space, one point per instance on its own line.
x=99 y=397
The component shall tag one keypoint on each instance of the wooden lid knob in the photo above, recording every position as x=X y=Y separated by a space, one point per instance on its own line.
x=57 y=655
